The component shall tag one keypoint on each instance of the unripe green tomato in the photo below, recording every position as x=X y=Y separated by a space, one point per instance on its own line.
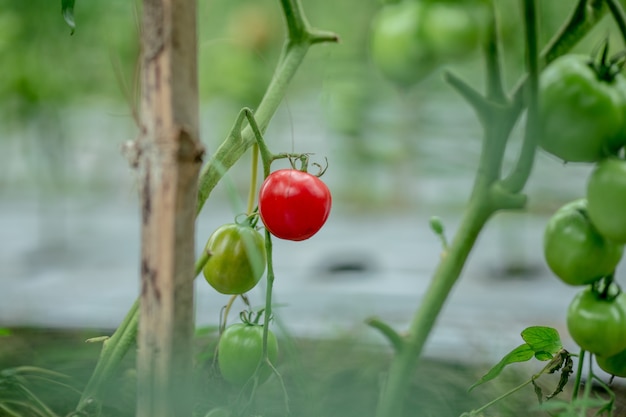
x=574 y=250
x=582 y=115
x=614 y=365
x=240 y=350
x=452 y=29
x=598 y=325
x=606 y=196
x=398 y=49
x=237 y=259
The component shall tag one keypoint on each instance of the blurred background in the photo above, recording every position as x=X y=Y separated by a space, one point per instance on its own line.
x=69 y=218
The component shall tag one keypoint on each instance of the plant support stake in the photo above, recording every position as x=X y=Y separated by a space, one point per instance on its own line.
x=169 y=165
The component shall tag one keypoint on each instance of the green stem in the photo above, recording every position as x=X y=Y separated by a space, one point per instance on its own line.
x=268 y=291
x=115 y=348
x=521 y=172
x=253 y=178
x=579 y=374
x=500 y=398
x=113 y=351
x=392 y=336
x=495 y=82
x=584 y=17
x=446 y=275
x=588 y=385
x=618 y=15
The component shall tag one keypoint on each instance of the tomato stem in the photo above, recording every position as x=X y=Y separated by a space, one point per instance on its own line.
x=579 y=371
x=253 y=179
x=618 y=15
x=226 y=311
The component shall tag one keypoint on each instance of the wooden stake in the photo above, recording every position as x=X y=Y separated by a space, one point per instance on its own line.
x=169 y=163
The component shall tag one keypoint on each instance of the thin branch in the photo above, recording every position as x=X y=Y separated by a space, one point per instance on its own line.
x=618 y=15
x=495 y=82
x=517 y=179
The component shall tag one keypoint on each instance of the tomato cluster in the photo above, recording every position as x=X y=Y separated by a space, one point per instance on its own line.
x=583 y=119
x=293 y=205
x=411 y=38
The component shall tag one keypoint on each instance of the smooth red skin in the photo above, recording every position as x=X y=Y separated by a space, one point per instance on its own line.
x=294 y=205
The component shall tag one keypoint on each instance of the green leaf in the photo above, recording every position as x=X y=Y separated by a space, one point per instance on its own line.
x=544 y=341
x=67 y=8
x=521 y=353
x=5 y=332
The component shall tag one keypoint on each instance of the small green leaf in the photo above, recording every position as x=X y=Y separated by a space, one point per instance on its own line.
x=543 y=341
x=67 y=8
x=436 y=225
x=521 y=353
x=5 y=332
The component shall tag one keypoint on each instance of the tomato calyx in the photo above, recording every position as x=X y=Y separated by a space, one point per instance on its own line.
x=606 y=68
x=252 y=318
x=300 y=162
x=249 y=220
x=606 y=289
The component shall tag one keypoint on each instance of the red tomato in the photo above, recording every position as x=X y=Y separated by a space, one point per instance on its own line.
x=294 y=204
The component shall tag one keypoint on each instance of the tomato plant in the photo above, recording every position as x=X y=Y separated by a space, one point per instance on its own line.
x=574 y=250
x=582 y=109
x=614 y=365
x=293 y=204
x=598 y=324
x=606 y=193
x=237 y=258
x=240 y=351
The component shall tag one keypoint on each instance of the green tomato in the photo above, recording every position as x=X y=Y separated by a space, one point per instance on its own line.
x=410 y=39
x=596 y=324
x=237 y=259
x=574 y=250
x=614 y=365
x=397 y=46
x=582 y=116
x=453 y=29
x=240 y=351
x=606 y=194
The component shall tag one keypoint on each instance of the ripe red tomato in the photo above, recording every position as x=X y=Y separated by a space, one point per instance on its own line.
x=240 y=350
x=606 y=193
x=574 y=250
x=596 y=324
x=294 y=204
x=237 y=259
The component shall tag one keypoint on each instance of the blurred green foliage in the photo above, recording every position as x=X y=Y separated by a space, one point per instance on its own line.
x=43 y=65
x=238 y=47
x=377 y=130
